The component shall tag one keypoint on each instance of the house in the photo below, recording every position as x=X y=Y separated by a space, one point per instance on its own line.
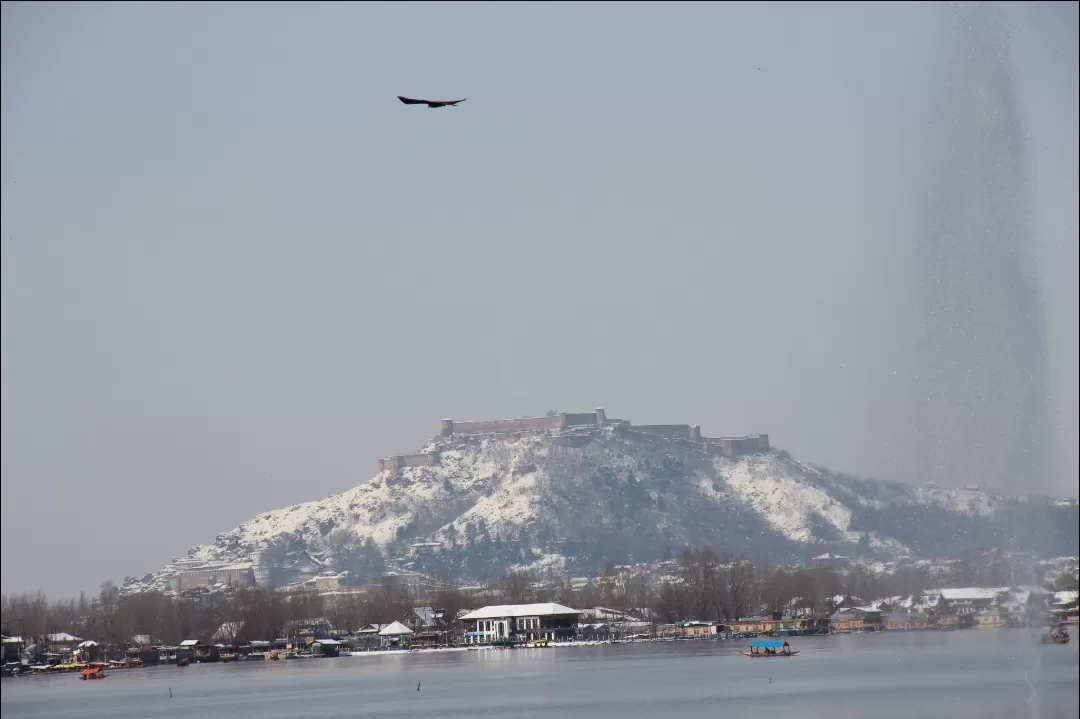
x=367 y=637
x=603 y=614
x=395 y=635
x=419 y=549
x=207 y=653
x=810 y=624
x=895 y=621
x=520 y=622
x=611 y=623
x=750 y=625
x=171 y=654
x=88 y=651
x=326 y=648
x=992 y=618
x=429 y=626
x=142 y=655
x=699 y=629
x=846 y=621
x=971 y=600
x=595 y=632
x=62 y=642
x=12 y=650
x=856 y=619
x=210 y=573
x=947 y=619
x=195 y=651
x=1063 y=607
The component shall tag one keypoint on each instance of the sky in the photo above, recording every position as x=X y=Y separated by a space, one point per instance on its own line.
x=236 y=270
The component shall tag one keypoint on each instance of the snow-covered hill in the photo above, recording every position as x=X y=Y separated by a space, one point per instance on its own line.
x=495 y=501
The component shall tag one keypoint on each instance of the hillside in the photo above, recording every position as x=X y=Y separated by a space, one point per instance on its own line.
x=569 y=500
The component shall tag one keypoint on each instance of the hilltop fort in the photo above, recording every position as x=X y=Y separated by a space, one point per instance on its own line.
x=566 y=428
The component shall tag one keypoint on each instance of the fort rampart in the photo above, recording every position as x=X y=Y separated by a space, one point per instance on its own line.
x=722 y=446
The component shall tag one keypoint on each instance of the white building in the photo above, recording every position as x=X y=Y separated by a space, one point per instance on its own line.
x=521 y=622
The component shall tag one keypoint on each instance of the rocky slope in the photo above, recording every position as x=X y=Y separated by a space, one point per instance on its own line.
x=623 y=496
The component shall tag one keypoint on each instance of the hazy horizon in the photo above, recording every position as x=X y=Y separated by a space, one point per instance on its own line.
x=236 y=270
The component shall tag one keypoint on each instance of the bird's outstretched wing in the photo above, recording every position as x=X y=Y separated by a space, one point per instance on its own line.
x=411 y=101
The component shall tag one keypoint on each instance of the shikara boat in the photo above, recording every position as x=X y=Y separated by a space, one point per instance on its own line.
x=93 y=673
x=1054 y=635
x=769 y=649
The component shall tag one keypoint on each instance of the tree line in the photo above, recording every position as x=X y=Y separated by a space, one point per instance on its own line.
x=698 y=584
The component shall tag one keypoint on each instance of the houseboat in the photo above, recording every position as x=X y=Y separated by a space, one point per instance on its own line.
x=769 y=648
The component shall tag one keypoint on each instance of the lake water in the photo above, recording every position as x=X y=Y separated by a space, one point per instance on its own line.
x=975 y=673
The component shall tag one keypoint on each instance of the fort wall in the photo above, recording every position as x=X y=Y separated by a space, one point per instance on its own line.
x=401 y=461
x=735 y=446
x=675 y=431
x=562 y=420
x=581 y=419
x=721 y=446
x=501 y=426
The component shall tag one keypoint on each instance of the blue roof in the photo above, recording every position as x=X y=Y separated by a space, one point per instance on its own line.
x=769 y=643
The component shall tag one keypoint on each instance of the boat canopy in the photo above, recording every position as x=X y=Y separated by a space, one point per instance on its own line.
x=769 y=643
x=90 y=671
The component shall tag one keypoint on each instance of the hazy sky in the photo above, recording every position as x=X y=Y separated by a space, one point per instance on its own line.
x=236 y=270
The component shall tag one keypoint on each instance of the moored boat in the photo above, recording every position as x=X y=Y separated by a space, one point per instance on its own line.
x=769 y=649
x=93 y=673
x=1054 y=635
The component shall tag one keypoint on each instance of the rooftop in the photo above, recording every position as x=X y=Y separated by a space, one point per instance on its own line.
x=501 y=611
x=971 y=593
x=395 y=629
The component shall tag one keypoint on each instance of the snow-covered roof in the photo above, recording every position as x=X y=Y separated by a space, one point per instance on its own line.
x=88 y=644
x=500 y=611
x=395 y=629
x=604 y=613
x=427 y=615
x=1064 y=598
x=329 y=642
x=848 y=611
x=970 y=593
x=372 y=629
x=62 y=638
x=189 y=642
x=1020 y=596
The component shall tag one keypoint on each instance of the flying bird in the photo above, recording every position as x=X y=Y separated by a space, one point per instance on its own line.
x=431 y=103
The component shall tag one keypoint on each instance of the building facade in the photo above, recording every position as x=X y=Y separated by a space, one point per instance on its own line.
x=521 y=622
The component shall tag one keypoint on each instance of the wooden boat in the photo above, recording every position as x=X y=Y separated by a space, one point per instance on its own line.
x=93 y=673
x=769 y=649
x=1057 y=635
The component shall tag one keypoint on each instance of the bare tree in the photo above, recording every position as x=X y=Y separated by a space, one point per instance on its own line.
x=739 y=581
